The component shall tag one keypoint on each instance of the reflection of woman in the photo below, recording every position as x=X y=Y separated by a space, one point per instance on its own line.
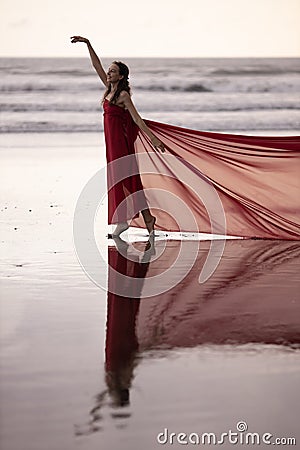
x=121 y=343
x=121 y=120
x=121 y=347
x=122 y=310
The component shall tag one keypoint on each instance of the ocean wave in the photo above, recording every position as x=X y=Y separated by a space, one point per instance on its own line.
x=222 y=121
x=28 y=88
x=69 y=128
x=167 y=88
x=226 y=86
x=73 y=86
x=48 y=127
x=31 y=107
x=179 y=108
x=253 y=72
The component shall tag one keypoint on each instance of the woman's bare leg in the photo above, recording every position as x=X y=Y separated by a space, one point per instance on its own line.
x=149 y=220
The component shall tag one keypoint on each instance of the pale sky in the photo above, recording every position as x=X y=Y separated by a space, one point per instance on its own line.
x=170 y=28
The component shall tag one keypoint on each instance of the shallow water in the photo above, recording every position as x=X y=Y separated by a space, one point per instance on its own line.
x=83 y=368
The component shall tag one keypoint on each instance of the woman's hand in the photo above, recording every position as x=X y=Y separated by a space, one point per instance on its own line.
x=157 y=144
x=94 y=58
x=79 y=39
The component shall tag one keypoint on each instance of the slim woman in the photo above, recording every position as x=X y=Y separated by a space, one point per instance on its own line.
x=121 y=120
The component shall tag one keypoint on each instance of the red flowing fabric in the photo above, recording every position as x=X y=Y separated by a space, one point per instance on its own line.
x=253 y=296
x=256 y=178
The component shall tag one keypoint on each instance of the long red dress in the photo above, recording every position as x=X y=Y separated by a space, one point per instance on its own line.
x=125 y=196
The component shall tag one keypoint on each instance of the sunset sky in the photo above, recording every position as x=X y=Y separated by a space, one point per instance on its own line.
x=192 y=28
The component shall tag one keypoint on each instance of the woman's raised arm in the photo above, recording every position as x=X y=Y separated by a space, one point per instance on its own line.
x=94 y=58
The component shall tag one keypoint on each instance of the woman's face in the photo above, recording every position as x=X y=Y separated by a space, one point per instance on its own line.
x=113 y=74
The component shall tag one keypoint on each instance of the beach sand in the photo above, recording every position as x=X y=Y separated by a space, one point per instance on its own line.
x=196 y=358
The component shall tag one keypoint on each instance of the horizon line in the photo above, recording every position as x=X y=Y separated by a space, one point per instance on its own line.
x=155 y=57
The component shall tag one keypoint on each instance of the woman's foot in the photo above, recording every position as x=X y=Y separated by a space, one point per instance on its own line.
x=149 y=248
x=118 y=230
x=150 y=225
x=121 y=245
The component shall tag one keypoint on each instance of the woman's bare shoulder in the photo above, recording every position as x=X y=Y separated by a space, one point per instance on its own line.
x=124 y=95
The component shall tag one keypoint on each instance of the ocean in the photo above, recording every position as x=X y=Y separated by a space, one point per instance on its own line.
x=239 y=95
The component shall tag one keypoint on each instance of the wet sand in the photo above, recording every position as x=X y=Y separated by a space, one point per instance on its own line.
x=81 y=368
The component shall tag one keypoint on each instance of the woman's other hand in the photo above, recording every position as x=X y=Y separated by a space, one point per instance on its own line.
x=75 y=39
x=157 y=144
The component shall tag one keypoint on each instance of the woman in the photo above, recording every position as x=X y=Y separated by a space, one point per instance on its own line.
x=120 y=133
x=246 y=186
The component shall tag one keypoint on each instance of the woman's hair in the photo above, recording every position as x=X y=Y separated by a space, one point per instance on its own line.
x=123 y=84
